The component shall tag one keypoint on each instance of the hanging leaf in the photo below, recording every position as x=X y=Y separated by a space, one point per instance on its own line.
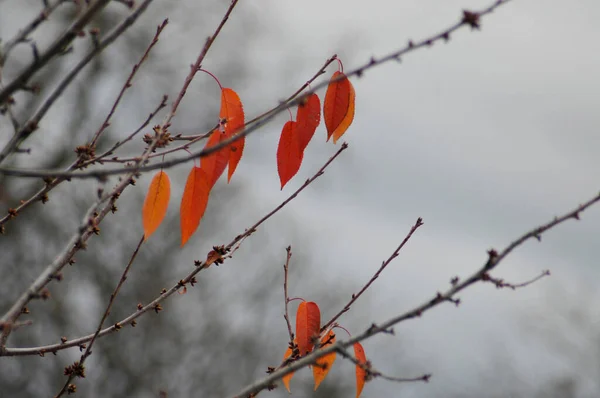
x=193 y=203
x=308 y=118
x=289 y=155
x=156 y=203
x=338 y=110
x=232 y=113
x=308 y=323
x=215 y=163
x=361 y=374
x=324 y=363
x=286 y=379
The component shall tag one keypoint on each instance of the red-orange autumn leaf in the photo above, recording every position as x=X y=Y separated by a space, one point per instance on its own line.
x=215 y=163
x=232 y=113
x=308 y=118
x=338 y=110
x=156 y=203
x=324 y=363
x=308 y=322
x=286 y=379
x=361 y=374
x=193 y=203
x=289 y=155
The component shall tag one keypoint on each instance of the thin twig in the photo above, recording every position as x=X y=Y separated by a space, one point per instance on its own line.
x=395 y=254
x=501 y=283
x=128 y=84
x=371 y=372
x=113 y=296
x=286 y=298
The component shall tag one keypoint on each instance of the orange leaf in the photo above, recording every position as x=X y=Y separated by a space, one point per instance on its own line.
x=215 y=163
x=308 y=118
x=324 y=363
x=286 y=379
x=289 y=155
x=308 y=322
x=232 y=112
x=156 y=203
x=338 y=110
x=361 y=374
x=193 y=203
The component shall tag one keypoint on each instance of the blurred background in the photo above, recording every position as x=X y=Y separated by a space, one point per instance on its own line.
x=484 y=137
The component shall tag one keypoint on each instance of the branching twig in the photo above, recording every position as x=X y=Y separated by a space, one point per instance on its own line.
x=372 y=373
x=286 y=297
x=501 y=283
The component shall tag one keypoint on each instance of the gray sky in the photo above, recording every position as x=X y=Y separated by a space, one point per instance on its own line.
x=485 y=138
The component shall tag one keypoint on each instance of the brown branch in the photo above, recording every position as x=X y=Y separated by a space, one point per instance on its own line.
x=113 y=296
x=286 y=297
x=468 y=19
x=395 y=254
x=190 y=278
x=372 y=373
x=501 y=283
x=128 y=84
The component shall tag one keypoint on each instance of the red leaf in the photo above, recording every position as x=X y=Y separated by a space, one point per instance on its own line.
x=308 y=322
x=361 y=374
x=338 y=110
x=289 y=155
x=156 y=203
x=324 y=363
x=193 y=203
x=232 y=112
x=308 y=118
x=215 y=163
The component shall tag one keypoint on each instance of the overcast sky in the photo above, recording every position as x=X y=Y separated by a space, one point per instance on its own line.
x=484 y=137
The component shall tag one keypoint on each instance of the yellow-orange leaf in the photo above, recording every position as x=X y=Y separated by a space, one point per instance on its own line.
x=232 y=113
x=308 y=323
x=156 y=203
x=324 y=363
x=289 y=155
x=286 y=379
x=338 y=110
x=193 y=203
x=215 y=163
x=308 y=118
x=361 y=374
